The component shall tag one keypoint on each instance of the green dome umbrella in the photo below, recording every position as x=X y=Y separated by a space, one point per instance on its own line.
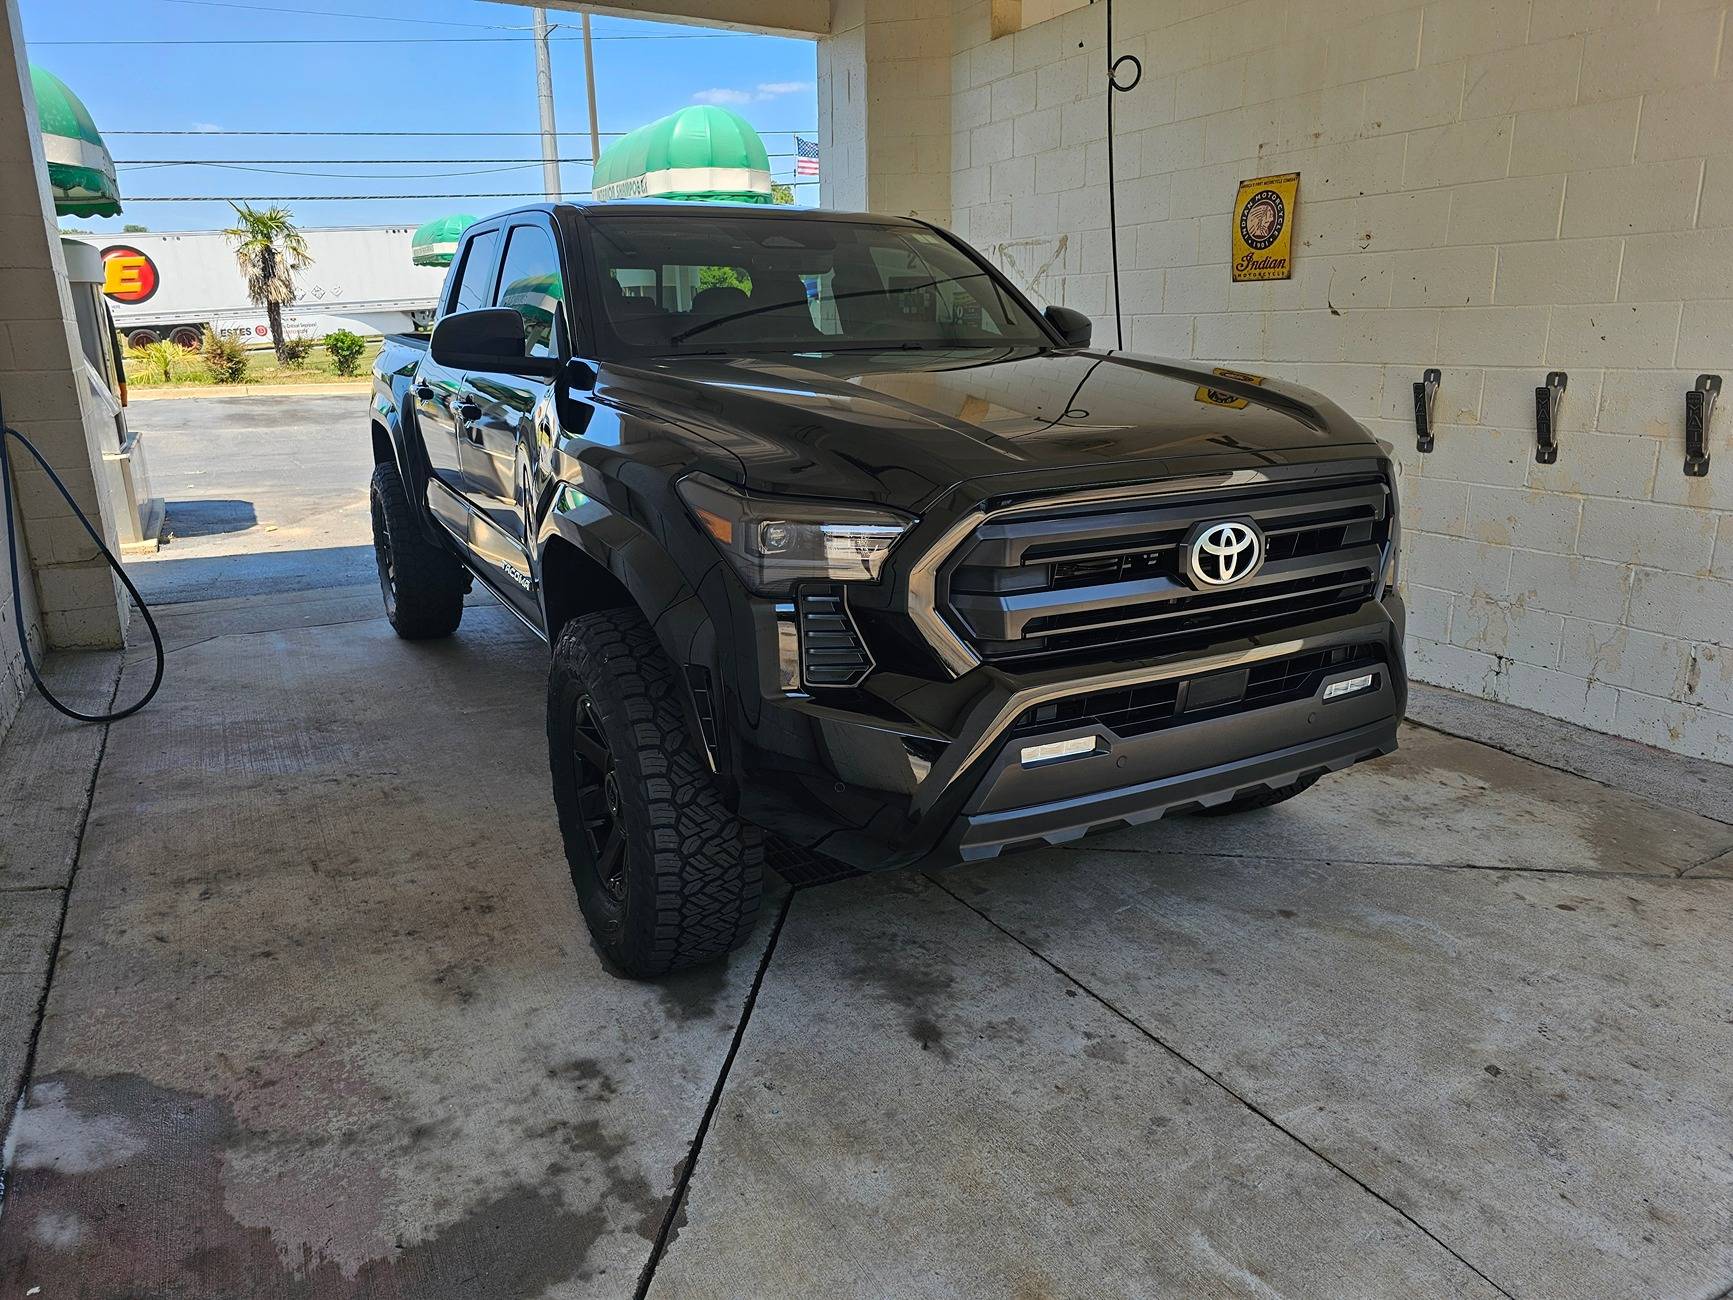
x=80 y=172
x=702 y=152
x=537 y=298
x=435 y=244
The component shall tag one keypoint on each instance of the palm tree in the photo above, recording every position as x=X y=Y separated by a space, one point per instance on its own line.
x=269 y=250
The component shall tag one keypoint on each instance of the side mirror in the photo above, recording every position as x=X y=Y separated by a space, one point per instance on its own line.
x=1073 y=326
x=491 y=338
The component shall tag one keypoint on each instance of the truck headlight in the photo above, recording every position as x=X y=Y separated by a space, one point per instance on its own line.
x=773 y=542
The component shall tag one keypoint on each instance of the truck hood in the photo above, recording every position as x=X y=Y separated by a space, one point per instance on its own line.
x=901 y=427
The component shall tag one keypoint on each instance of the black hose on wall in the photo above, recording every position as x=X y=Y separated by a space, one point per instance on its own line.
x=1132 y=75
x=13 y=546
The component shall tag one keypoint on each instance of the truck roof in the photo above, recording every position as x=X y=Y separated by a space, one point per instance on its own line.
x=697 y=211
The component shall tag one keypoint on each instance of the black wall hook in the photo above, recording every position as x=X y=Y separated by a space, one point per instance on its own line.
x=1547 y=399
x=1425 y=400
x=1699 y=414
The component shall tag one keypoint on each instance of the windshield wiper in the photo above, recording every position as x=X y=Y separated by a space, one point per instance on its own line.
x=905 y=345
x=885 y=292
x=699 y=328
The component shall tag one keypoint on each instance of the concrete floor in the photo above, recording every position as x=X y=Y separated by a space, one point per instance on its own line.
x=324 y=1021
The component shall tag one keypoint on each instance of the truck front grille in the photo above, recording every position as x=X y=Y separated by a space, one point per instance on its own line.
x=1029 y=588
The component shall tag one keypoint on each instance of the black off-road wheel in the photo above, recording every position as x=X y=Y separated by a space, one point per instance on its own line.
x=423 y=583
x=1264 y=798
x=667 y=876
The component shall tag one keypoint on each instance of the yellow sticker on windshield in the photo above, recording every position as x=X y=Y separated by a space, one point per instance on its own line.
x=1218 y=397
x=1264 y=227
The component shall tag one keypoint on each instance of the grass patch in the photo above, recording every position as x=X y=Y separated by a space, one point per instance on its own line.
x=188 y=369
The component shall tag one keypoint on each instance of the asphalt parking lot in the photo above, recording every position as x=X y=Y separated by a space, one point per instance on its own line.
x=324 y=1020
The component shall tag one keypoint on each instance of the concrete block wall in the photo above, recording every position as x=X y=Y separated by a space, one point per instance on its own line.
x=71 y=598
x=13 y=681
x=884 y=113
x=1494 y=187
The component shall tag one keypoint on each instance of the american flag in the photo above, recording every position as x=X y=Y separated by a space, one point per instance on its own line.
x=805 y=157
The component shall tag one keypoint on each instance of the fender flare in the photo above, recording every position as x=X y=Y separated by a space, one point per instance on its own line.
x=410 y=458
x=639 y=564
x=642 y=570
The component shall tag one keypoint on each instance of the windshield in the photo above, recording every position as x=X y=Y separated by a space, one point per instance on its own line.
x=726 y=283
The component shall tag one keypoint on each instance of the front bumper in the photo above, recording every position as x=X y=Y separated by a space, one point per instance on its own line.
x=983 y=832
x=917 y=773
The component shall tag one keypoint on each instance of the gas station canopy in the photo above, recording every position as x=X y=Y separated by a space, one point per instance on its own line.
x=80 y=172
x=702 y=152
x=435 y=244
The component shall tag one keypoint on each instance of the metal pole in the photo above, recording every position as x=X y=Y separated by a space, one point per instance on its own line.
x=545 y=99
x=590 y=87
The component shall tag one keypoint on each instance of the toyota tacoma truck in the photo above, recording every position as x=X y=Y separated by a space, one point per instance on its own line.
x=842 y=545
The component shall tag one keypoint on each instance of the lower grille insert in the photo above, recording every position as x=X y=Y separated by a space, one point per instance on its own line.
x=1137 y=710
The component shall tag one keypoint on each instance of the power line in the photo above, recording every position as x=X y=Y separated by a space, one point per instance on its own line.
x=332 y=13
x=401 y=40
x=435 y=135
x=341 y=176
x=381 y=18
x=359 y=198
x=229 y=162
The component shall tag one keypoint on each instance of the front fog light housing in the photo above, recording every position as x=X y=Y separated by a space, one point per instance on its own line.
x=773 y=542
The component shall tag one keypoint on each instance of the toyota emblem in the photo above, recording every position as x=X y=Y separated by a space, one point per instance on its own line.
x=1221 y=554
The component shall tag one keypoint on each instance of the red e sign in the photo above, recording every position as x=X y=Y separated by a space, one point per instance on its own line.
x=129 y=276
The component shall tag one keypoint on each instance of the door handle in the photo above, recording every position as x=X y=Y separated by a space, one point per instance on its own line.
x=423 y=390
x=468 y=412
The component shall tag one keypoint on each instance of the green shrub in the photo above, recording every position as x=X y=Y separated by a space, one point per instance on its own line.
x=345 y=347
x=296 y=352
x=160 y=359
x=224 y=357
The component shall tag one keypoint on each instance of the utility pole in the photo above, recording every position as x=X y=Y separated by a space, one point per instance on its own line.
x=545 y=99
x=590 y=87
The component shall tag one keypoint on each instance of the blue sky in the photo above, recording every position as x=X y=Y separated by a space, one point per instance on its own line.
x=459 y=65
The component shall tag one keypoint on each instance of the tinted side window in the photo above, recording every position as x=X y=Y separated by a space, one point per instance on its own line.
x=472 y=289
x=530 y=281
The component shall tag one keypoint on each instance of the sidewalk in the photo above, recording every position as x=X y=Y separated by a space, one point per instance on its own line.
x=361 y=384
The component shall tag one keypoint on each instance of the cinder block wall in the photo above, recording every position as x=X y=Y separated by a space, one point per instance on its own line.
x=70 y=597
x=12 y=678
x=1494 y=187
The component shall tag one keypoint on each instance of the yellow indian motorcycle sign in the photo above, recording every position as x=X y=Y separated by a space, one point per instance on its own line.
x=1220 y=396
x=1264 y=227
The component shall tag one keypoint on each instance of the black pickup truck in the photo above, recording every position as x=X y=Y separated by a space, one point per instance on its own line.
x=837 y=540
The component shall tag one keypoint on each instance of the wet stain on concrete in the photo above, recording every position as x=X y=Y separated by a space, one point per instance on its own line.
x=85 y=1212
x=1108 y=1049
x=1615 y=831
x=925 y=1032
x=918 y=981
x=692 y=995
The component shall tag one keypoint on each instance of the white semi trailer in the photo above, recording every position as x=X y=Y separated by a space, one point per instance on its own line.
x=170 y=286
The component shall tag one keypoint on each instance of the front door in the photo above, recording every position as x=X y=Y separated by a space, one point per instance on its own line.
x=498 y=436
x=439 y=391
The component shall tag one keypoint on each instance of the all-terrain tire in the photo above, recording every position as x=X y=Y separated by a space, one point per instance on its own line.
x=1264 y=798
x=687 y=888
x=422 y=582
